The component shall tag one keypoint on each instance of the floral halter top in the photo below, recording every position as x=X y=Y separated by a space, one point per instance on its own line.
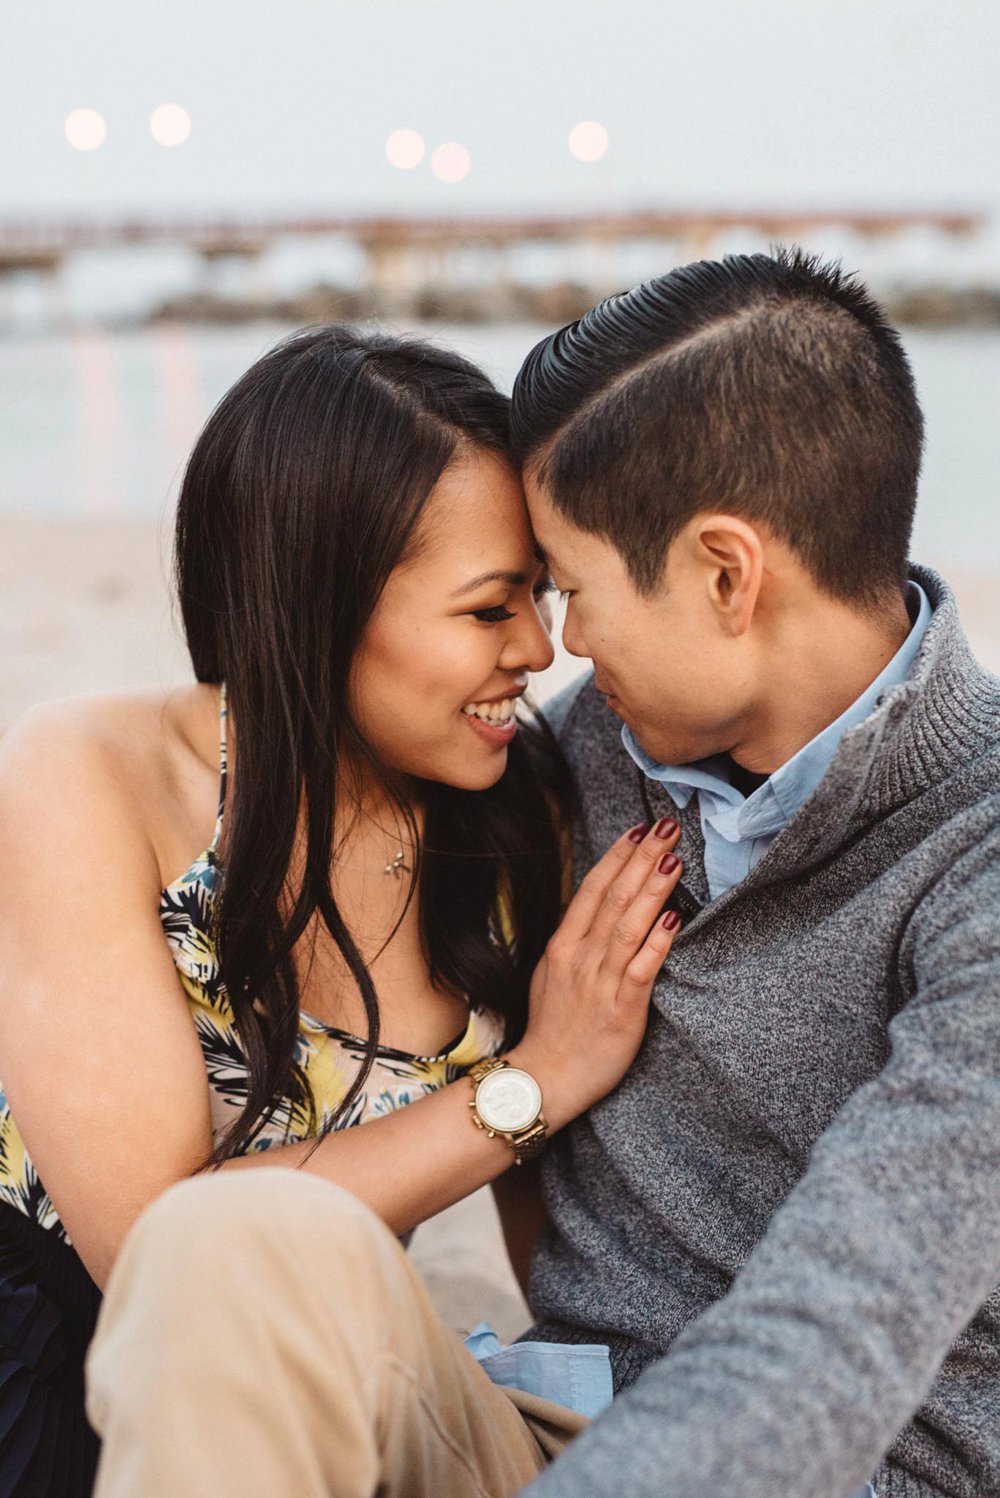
x=328 y=1058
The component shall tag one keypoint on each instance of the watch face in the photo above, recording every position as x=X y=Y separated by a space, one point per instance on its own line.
x=508 y=1100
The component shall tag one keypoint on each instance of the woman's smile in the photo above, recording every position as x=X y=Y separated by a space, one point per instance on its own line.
x=495 y=722
x=494 y=719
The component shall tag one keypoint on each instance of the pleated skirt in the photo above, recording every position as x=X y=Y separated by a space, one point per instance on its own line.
x=48 y=1309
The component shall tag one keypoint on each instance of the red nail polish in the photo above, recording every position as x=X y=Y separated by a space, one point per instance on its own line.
x=638 y=833
x=668 y=863
x=666 y=827
x=670 y=921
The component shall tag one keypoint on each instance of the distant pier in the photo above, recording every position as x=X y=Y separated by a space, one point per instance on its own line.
x=406 y=263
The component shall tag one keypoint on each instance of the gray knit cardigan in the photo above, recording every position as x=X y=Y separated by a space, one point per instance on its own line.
x=786 y=1220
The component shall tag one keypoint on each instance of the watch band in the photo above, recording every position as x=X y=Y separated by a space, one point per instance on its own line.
x=483 y=1068
x=527 y=1142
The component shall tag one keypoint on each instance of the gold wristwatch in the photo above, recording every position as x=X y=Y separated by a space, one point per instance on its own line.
x=508 y=1102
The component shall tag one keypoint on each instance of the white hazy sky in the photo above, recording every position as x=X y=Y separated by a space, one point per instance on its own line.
x=715 y=102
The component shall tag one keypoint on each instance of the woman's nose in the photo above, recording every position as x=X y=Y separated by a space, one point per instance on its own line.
x=530 y=648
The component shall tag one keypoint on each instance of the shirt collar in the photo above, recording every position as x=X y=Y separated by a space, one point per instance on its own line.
x=776 y=801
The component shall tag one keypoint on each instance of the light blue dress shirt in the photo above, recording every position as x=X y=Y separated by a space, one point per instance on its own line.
x=739 y=829
x=577 y=1376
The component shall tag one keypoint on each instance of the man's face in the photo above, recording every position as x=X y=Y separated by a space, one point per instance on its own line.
x=667 y=666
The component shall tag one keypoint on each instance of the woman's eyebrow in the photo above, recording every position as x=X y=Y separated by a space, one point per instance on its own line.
x=515 y=579
x=499 y=575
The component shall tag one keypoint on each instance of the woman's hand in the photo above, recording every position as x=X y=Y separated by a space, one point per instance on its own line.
x=590 y=992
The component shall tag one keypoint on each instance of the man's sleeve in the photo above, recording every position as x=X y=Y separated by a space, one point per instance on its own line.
x=798 y=1380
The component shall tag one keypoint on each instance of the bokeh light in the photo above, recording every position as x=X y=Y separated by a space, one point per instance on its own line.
x=405 y=149
x=85 y=129
x=170 y=124
x=588 y=140
x=451 y=162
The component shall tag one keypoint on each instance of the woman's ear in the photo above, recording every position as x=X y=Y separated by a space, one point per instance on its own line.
x=731 y=554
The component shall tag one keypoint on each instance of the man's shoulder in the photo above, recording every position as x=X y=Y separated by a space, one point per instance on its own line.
x=581 y=721
x=559 y=707
x=967 y=852
x=606 y=778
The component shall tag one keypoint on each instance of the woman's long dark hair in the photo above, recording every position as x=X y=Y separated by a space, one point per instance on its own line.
x=302 y=495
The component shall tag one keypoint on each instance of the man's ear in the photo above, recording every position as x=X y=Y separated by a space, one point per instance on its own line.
x=731 y=555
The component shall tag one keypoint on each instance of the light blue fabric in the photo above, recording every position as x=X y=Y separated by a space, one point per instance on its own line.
x=739 y=830
x=576 y=1377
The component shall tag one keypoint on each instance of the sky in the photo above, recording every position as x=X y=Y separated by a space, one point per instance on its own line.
x=714 y=103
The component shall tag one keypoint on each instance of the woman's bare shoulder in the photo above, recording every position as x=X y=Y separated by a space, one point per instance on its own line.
x=92 y=762
x=135 y=733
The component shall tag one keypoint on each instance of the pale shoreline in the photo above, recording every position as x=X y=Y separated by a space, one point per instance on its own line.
x=85 y=606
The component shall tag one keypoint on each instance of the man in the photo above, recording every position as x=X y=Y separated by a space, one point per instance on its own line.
x=786 y=1221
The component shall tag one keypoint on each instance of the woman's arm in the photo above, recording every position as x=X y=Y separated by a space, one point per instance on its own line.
x=98 y=1056
x=100 y=1060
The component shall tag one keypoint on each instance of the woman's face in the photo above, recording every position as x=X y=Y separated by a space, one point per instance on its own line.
x=456 y=631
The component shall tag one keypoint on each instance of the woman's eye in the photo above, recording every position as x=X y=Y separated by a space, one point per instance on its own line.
x=492 y=616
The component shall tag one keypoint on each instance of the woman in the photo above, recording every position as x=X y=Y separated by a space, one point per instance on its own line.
x=340 y=840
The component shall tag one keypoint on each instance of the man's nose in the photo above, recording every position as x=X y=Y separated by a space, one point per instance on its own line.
x=572 y=638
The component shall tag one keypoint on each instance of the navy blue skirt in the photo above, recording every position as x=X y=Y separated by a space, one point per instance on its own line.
x=48 y=1309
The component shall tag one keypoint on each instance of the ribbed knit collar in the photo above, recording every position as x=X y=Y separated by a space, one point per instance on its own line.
x=944 y=715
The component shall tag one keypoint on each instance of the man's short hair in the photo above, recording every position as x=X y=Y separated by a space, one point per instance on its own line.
x=770 y=386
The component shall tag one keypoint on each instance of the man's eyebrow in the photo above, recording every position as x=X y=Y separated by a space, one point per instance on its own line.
x=500 y=575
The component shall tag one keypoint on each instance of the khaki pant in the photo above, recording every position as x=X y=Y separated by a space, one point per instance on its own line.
x=264 y=1333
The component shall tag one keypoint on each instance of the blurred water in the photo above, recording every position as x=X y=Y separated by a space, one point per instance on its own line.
x=99 y=422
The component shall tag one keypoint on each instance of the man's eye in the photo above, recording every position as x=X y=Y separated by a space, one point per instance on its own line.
x=492 y=616
x=543 y=586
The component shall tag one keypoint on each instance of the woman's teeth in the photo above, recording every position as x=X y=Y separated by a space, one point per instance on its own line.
x=499 y=713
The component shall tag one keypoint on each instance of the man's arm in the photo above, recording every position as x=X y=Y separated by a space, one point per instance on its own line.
x=518 y=1196
x=799 y=1379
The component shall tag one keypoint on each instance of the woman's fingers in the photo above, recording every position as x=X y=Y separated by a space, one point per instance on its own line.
x=592 y=893
x=640 y=973
x=600 y=966
x=629 y=905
